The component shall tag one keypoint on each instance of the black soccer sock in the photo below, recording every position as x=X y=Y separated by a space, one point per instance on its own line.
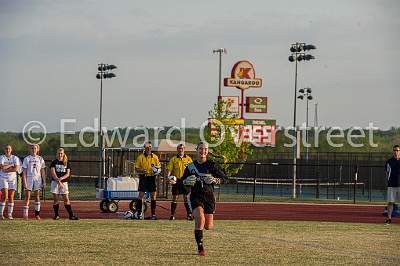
x=198 y=235
x=187 y=207
x=56 y=208
x=153 y=207
x=69 y=209
x=139 y=203
x=37 y=213
x=173 y=207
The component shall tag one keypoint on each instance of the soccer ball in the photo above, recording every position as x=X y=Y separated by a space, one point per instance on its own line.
x=172 y=180
x=128 y=215
x=156 y=170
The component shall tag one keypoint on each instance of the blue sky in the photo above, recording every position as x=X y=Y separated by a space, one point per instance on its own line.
x=49 y=53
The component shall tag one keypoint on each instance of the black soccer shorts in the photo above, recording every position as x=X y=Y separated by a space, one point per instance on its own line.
x=147 y=184
x=204 y=200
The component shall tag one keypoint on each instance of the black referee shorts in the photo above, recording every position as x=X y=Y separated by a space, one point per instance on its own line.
x=147 y=184
x=204 y=200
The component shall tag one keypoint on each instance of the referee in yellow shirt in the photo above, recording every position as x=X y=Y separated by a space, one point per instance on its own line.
x=176 y=167
x=148 y=166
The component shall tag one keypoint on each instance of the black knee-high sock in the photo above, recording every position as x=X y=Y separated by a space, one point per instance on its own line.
x=153 y=207
x=55 y=208
x=198 y=235
x=187 y=207
x=69 y=209
x=173 y=207
x=139 y=203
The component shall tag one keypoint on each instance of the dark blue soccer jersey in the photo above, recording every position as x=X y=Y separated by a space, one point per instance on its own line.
x=392 y=168
x=208 y=167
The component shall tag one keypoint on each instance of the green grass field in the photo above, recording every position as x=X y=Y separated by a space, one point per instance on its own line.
x=105 y=242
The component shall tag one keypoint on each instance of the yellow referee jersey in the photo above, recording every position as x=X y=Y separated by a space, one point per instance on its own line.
x=177 y=165
x=145 y=163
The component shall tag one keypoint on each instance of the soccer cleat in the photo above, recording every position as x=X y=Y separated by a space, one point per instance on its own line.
x=388 y=221
x=2 y=218
x=73 y=217
x=10 y=217
x=153 y=217
x=172 y=218
x=202 y=252
x=189 y=217
x=56 y=217
x=37 y=217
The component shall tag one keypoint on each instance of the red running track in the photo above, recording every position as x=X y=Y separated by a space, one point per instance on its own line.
x=231 y=211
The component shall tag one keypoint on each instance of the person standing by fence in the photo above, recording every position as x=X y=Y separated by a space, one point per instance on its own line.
x=202 y=175
x=392 y=168
x=148 y=166
x=60 y=171
x=33 y=179
x=9 y=166
x=176 y=166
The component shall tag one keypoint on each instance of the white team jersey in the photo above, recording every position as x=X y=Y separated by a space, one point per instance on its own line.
x=32 y=165
x=4 y=160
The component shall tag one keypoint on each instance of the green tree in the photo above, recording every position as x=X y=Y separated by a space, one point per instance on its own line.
x=226 y=149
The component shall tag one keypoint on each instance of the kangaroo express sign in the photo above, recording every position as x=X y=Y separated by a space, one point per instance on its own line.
x=243 y=76
x=255 y=131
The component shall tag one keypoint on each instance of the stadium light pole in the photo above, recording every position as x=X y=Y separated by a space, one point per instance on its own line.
x=298 y=50
x=104 y=72
x=220 y=51
x=305 y=94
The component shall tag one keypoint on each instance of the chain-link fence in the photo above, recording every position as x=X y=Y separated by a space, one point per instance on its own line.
x=259 y=181
x=331 y=176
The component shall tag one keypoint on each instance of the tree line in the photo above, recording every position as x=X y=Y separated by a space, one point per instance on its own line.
x=382 y=140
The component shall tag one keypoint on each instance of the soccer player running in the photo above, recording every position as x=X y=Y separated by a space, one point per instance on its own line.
x=9 y=166
x=202 y=175
x=392 y=168
x=148 y=166
x=176 y=166
x=60 y=173
x=33 y=179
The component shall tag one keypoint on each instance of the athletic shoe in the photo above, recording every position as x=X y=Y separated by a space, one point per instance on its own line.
x=202 y=253
x=138 y=216
x=10 y=217
x=172 y=218
x=189 y=218
x=153 y=217
x=37 y=217
x=388 y=221
x=73 y=217
x=56 y=217
x=2 y=218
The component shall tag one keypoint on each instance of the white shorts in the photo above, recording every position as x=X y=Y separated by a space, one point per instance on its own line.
x=10 y=184
x=393 y=194
x=33 y=184
x=57 y=189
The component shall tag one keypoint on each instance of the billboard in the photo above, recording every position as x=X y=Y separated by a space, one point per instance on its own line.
x=256 y=104
x=232 y=103
x=259 y=132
